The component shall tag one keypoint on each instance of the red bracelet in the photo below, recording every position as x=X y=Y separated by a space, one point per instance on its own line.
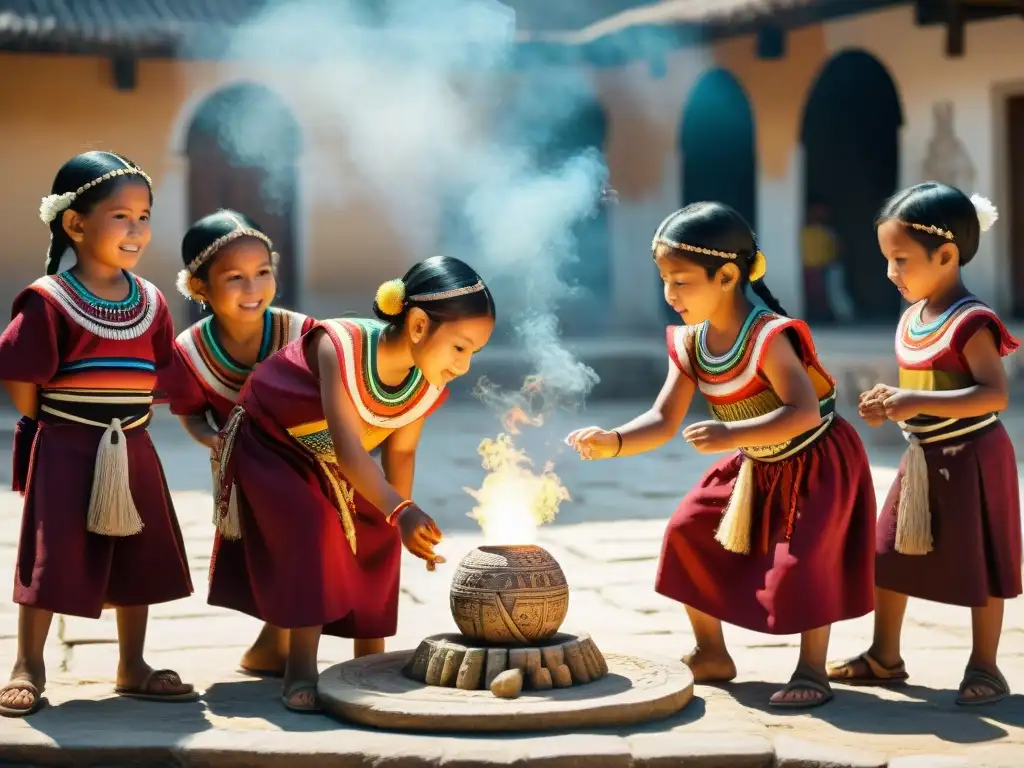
x=393 y=517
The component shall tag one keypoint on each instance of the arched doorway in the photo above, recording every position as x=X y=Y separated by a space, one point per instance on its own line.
x=243 y=151
x=850 y=134
x=717 y=148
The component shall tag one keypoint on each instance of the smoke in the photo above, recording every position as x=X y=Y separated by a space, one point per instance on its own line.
x=437 y=127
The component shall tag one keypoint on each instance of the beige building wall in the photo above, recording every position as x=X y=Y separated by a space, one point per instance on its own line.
x=52 y=107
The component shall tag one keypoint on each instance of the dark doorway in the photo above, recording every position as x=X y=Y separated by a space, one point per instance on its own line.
x=243 y=150
x=850 y=135
x=717 y=148
x=1015 y=141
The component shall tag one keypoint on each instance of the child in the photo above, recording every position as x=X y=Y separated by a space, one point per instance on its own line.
x=229 y=265
x=320 y=525
x=777 y=536
x=950 y=530
x=81 y=355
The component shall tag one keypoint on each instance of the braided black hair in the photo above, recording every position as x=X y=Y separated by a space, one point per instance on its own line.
x=717 y=227
x=435 y=275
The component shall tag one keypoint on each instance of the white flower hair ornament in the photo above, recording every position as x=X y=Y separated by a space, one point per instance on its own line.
x=184 y=283
x=52 y=205
x=987 y=213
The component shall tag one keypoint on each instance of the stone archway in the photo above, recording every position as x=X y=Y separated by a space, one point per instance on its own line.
x=850 y=135
x=717 y=147
x=243 y=149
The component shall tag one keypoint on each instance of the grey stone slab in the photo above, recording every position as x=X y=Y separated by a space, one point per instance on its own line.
x=701 y=750
x=795 y=753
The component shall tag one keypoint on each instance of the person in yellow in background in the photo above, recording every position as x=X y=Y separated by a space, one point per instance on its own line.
x=824 y=290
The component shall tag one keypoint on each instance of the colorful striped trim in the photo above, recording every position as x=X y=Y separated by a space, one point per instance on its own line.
x=918 y=343
x=216 y=369
x=377 y=404
x=121 y=320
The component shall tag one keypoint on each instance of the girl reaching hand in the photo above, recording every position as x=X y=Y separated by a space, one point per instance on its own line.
x=776 y=537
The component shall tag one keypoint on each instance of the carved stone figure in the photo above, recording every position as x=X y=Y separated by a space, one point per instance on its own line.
x=948 y=160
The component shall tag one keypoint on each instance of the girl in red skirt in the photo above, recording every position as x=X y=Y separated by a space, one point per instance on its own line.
x=81 y=355
x=950 y=529
x=777 y=536
x=317 y=524
x=230 y=266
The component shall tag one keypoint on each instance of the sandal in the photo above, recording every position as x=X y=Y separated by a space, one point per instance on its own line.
x=301 y=687
x=23 y=685
x=979 y=678
x=805 y=680
x=867 y=670
x=145 y=691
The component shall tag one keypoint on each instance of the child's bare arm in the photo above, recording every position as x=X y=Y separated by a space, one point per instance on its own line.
x=398 y=457
x=990 y=393
x=788 y=378
x=654 y=428
x=25 y=396
x=199 y=429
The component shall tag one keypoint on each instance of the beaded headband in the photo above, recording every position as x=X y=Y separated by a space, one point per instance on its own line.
x=987 y=216
x=757 y=268
x=51 y=205
x=184 y=282
x=391 y=298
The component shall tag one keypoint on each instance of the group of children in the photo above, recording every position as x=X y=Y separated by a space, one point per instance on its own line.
x=780 y=536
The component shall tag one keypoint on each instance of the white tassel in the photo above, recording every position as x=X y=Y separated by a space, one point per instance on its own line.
x=229 y=524
x=734 y=530
x=112 y=510
x=914 y=515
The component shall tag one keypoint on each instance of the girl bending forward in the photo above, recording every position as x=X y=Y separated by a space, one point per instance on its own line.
x=317 y=527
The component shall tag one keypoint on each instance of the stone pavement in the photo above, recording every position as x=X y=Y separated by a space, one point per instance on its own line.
x=607 y=542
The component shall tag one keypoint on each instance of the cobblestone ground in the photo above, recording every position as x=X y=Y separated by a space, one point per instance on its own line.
x=607 y=541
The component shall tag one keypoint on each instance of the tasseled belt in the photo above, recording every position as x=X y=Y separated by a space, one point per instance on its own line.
x=225 y=513
x=112 y=511
x=734 y=531
x=914 y=516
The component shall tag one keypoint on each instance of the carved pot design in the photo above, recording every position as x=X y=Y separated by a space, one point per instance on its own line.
x=509 y=595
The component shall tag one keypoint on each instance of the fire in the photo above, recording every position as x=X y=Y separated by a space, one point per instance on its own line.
x=514 y=500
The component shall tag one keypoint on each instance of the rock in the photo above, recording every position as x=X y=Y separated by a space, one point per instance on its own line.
x=471 y=671
x=532 y=660
x=574 y=660
x=517 y=659
x=450 y=670
x=590 y=657
x=540 y=679
x=416 y=669
x=552 y=656
x=561 y=677
x=508 y=685
x=435 y=666
x=497 y=662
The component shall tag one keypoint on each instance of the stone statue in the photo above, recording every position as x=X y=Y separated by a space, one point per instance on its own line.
x=947 y=160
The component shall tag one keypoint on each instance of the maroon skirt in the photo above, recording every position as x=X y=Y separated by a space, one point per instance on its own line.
x=813 y=526
x=974 y=497
x=293 y=566
x=64 y=568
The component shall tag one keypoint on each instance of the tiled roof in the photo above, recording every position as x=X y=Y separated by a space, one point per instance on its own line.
x=113 y=24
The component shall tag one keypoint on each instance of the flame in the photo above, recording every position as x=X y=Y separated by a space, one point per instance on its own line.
x=514 y=501
x=516 y=417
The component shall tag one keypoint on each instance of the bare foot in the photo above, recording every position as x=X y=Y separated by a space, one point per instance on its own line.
x=260 y=660
x=23 y=698
x=710 y=666
x=300 y=696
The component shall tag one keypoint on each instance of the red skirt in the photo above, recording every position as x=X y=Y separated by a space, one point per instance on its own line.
x=820 y=574
x=974 y=497
x=293 y=566
x=64 y=568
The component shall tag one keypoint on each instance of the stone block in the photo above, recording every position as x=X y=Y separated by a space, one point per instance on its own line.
x=701 y=750
x=795 y=753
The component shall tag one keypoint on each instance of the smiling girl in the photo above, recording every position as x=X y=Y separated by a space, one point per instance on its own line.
x=81 y=355
x=320 y=526
x=230 y=266
x=950 y=529
x=776 y=537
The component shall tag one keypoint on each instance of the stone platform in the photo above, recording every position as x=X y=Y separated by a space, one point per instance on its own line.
x=373 y=691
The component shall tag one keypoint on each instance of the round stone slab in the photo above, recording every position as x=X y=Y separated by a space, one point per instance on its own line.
x=373 y=691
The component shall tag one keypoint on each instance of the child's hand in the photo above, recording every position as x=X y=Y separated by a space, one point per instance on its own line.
x=877 y=393
x=419 y=534
x=710 y=437
x=594 y=443
x=901 y=404
x=872 y=412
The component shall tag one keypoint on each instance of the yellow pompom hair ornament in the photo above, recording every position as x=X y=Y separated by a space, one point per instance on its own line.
x=391 y=297
x=758 y=267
